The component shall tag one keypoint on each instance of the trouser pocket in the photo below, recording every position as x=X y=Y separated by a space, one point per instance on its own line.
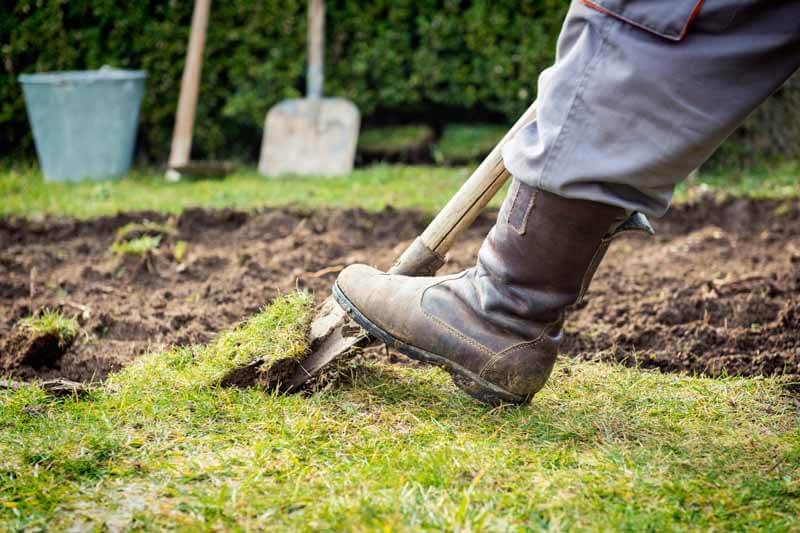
x=669 y=19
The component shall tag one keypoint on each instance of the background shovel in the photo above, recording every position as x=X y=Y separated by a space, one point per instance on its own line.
x=332 y=333
x=313 y=135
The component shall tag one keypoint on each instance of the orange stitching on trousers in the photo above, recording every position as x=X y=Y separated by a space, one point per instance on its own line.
x=684 y=30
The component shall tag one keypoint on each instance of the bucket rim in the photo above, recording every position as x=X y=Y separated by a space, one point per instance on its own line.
x=81 y=76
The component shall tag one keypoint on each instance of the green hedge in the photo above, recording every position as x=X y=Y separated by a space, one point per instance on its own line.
x=408 y=60
x=389 y=56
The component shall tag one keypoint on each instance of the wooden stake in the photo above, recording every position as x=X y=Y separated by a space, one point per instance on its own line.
x=190 y=87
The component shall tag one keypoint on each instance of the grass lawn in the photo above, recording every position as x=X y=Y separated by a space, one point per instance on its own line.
x=427 y=188
x=601 y=447
x=24 y=192
x=391 y=447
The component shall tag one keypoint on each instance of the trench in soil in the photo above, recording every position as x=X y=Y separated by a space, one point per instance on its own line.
x=715 y=292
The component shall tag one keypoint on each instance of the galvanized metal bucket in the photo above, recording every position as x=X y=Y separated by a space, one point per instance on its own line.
x=84 y=122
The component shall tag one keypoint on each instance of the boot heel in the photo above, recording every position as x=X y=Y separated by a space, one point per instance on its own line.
x=486 y=395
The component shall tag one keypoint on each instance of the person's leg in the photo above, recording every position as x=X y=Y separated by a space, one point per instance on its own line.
x=623 y=115
x=495 y=327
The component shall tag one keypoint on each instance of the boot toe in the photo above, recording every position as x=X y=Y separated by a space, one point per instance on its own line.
x=353 y=280
x=363 y=286
x=352 y=277
x=387 y=301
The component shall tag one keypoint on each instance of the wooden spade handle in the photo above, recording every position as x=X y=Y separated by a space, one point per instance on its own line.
x=426 y=254
x=315 y=75
x=190 y=86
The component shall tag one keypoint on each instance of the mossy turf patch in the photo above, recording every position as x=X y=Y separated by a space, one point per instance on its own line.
x=38 y=340
x=394 y=141
x=467 y=143
x=136 y=246
x=141 y=238
x=50 y=322
x=277 y=332
x=147 y=228
x=393 y=447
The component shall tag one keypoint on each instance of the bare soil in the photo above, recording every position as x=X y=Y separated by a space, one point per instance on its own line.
x=716 y=291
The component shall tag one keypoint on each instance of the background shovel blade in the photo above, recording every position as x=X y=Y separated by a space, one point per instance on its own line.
x=312 y=136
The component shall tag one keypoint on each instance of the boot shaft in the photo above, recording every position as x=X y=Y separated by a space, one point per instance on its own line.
x=536 y=258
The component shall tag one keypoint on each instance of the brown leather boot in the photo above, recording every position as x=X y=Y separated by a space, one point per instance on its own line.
x=495 y=327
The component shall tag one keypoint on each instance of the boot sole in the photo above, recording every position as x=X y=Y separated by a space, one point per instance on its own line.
x=465 y=379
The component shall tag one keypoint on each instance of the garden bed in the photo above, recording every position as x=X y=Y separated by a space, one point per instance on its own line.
x=717 y=291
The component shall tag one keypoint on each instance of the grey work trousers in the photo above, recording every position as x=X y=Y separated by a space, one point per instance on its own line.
x=643 y=91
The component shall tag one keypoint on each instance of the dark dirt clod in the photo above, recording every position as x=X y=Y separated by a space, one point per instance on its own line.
x=272 y=376
x=37 y=352
x=716 y=291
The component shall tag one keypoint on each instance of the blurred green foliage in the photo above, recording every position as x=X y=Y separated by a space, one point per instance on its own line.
x=388 y=56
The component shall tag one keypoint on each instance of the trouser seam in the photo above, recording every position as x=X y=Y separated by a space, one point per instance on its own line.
x=516 y=186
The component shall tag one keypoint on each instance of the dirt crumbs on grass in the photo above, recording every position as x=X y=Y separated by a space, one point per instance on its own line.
x=716 y=291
